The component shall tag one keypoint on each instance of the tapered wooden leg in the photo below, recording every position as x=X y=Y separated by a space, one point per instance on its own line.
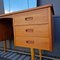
x=5 y=45
x=32 y=54
x=40 y=52
x=9 y=44
x=14 y=45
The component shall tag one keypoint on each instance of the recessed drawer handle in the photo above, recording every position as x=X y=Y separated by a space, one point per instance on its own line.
x=28 y=18
x=29 y=30
x=30 y=42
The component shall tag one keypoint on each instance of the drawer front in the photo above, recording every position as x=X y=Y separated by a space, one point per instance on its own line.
x=31 y=18
x=32 y=30
x=33 y=42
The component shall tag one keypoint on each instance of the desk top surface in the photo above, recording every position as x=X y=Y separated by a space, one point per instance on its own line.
x=30 y=9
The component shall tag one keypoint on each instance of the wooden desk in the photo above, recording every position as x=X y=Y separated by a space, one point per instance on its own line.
x=32 y=28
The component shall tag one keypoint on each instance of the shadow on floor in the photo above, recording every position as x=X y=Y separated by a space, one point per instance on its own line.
x=4 y=59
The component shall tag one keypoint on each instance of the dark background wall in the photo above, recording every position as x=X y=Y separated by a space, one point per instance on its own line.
x=56 y=5
x=1 y=12
x=56 y=22
x=1 y=7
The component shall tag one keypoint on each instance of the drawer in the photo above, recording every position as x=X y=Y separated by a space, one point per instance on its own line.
x=34 y=42
x=32 y=30
x=31 y=18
